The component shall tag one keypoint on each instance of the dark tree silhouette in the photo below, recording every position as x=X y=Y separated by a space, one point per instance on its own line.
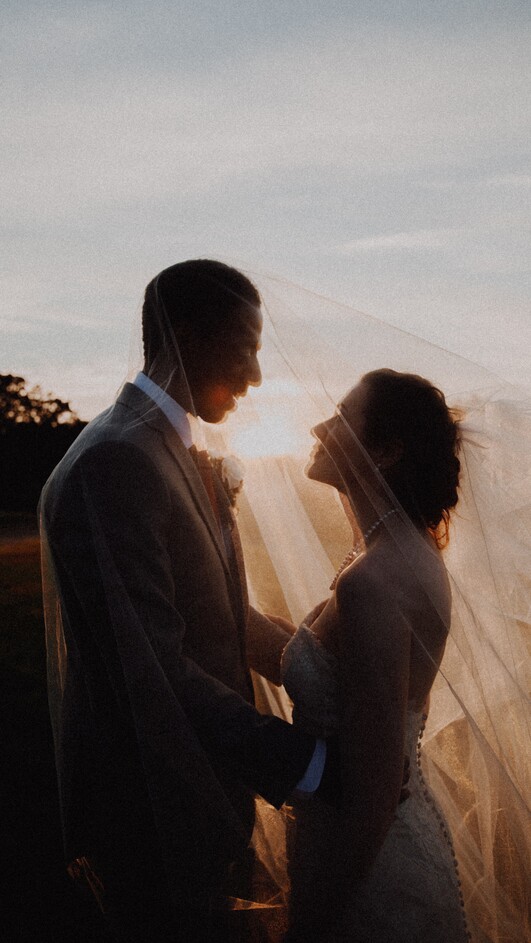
x=19 y=405
x=35 y=433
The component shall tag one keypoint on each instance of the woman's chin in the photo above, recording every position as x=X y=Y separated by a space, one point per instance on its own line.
x=314 y=472
x=311 y=469
x=308 y=468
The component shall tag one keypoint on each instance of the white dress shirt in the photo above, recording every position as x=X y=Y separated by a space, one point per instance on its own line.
x=170 y=407
x=178 y=417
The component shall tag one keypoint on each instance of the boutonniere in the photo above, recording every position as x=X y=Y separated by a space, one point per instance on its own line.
x=230 y=471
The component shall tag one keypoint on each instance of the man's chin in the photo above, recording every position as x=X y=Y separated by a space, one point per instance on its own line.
x=215 y=406
x=214 y=418
x=217 y=414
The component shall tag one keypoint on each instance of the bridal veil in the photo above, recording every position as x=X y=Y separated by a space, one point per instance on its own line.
x=294 y=537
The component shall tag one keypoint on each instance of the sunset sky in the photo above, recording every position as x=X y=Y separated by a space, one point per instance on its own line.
x=375 y=152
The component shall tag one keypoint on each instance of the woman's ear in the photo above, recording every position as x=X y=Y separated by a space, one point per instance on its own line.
x=389 y=456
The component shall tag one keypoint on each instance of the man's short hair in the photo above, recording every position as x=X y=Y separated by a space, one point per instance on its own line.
x=202 y=293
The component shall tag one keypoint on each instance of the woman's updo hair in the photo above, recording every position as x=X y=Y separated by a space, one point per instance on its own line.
x=407 y=411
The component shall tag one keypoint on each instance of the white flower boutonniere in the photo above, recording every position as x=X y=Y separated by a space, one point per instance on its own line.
x=231 y=473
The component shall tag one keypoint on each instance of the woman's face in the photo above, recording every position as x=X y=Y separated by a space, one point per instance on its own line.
x=337 y=451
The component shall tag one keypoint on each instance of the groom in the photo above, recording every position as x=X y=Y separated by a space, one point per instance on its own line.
x=159 y=747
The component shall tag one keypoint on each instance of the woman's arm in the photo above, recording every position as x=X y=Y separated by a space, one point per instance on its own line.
x=374 y=645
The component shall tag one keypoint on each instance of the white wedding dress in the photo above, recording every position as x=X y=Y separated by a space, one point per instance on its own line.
x=413 y=893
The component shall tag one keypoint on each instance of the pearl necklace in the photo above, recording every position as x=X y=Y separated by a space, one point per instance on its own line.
x=356 y=549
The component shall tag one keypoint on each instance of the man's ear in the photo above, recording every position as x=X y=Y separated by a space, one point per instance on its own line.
x=182 y=330
x=188 y=337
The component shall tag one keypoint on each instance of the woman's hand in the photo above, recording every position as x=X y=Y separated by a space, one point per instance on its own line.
x=315 y=613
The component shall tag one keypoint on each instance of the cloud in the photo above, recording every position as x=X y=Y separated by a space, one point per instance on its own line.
x=159 y=130
x=40 y=322
x=467 y=182
x=496 y=247
x=89 y=386
x=420 y=240
x=508 y=180
x=12 y=326
x=136 y=135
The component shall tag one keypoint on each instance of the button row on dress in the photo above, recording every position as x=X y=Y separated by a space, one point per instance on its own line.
x=443 y=826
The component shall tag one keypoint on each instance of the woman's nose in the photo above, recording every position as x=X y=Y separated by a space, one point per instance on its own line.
x=321 y=431
x=254 y=373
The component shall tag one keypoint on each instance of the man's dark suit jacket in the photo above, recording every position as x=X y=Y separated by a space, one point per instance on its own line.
x=150 y=692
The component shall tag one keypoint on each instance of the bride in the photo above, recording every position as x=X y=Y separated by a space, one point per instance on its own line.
x=373 y=869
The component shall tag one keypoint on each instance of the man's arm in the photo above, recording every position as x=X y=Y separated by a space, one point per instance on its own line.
x=111 y=533
x=270 y=634
x=267 y=636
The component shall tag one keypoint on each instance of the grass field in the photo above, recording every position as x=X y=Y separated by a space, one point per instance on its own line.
x=39 y=904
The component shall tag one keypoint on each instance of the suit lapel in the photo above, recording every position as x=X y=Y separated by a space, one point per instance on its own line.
x=148 y=411
x=234 y=552
x=242 y=578
x=233 y=567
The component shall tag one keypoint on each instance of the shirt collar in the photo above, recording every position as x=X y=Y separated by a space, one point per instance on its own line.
x=174 y=413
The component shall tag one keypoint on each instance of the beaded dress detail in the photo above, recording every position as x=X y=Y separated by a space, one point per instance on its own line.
x=412 y=894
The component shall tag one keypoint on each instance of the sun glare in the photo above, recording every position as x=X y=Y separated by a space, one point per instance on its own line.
x=271 y=420
x=276 y=434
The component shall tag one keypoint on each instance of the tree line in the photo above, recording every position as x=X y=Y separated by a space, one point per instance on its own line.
x=36 y=430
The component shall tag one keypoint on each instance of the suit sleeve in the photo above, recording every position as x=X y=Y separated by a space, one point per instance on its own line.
x=110 y=530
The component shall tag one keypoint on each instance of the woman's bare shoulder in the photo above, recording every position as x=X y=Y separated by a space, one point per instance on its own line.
x=413 y=568
x=374 y=578
x=370 y=604
x=394 y=594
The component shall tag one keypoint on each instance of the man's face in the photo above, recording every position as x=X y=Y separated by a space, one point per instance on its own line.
x=223 y=365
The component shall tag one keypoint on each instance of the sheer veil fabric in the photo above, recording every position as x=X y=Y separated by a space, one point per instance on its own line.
x=295 y=536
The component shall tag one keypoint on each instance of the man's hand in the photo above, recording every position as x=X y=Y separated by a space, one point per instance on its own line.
x=282 y=623
x=266 y=637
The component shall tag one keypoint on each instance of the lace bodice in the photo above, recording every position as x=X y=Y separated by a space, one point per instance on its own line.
x=310 y=676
